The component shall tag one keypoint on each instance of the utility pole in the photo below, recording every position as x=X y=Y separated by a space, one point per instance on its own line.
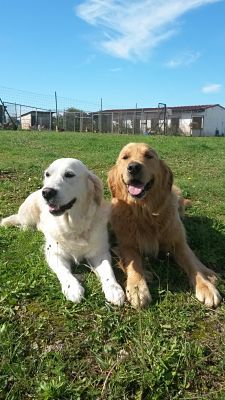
x=56 y=112
x=163 y=105
x=100 y=120
x=135 y=120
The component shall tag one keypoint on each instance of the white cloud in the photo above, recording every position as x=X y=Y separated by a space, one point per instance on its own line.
x=116 y=69
x=130 y=28
x=183 y=60
x=211 y=88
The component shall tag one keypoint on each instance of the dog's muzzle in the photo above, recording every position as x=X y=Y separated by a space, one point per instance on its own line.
x=136 y=188
x=134 y=168
x=49 y=194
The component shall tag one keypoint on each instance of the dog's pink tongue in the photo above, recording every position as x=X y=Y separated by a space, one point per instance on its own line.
x=53 y=208
x=134 y=190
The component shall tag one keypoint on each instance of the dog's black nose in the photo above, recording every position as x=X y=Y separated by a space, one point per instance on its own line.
x=48 y=193
x=133 y=168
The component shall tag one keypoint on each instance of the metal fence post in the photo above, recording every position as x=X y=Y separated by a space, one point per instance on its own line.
x=20 y=118
x=112 y=124
x=36 y=118
x=50 y=120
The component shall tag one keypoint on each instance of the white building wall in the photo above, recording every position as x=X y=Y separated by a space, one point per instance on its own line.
x=185 y=126
x=185 y=120
x=214 y=118
x=26 y=121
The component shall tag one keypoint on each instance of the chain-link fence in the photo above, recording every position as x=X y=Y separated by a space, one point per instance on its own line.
x=27 y=111
x=30 y=111
x=132 y=121
x=13 y=116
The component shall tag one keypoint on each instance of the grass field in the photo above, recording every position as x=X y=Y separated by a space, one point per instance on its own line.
x=53 y=349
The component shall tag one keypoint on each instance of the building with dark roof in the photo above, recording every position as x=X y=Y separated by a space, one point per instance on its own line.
x=35 y=118
x=196 y=120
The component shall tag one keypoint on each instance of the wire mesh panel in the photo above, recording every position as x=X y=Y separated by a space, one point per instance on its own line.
x=27 y=110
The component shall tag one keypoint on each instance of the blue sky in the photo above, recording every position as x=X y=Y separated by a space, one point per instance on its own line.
x=123 y=51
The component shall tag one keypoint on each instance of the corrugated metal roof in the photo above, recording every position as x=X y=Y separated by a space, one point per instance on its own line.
x=195 y=108
x=34 y=112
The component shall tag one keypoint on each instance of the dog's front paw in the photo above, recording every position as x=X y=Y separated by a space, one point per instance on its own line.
x=207 y=294
x=73 y=290
x=138 y=294
x=114 y=293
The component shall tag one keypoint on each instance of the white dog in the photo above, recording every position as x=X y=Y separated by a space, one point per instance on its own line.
x=73 y=216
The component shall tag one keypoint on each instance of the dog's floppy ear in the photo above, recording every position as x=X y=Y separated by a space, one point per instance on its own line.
x=167 y=175
x=111 y=180
x=98 y=187
x=114 y=182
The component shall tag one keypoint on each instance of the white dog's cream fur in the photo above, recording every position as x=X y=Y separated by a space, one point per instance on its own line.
x=73 y=216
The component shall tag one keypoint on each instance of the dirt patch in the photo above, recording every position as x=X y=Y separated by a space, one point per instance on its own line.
x=7 y=175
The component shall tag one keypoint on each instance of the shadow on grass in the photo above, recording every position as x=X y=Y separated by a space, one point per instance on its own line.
x=206 y=238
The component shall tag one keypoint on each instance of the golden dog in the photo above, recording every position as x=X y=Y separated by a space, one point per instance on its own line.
x=145 y=218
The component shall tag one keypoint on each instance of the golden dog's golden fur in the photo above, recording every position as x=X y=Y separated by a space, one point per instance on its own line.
x=145 y=218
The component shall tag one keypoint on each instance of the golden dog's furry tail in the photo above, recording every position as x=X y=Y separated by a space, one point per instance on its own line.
x=187 y=203
x=183 y=203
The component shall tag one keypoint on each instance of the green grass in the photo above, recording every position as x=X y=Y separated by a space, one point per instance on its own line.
x=53 y=349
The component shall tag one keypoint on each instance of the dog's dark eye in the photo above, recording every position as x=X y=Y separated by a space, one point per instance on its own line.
x=47 y=174
x=148 y=155
x=69 y=174
x=125 y=157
